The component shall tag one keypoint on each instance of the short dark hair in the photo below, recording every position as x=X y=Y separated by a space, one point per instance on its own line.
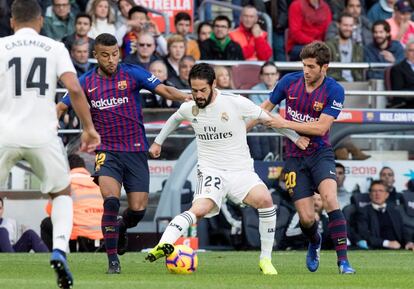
x=187 y=57
x=83 y=15
x=384 y=23
x=339 y=165
x=222 y=18
x=267 y=63
x=386 y=168
x=317 y=50
x=344 y=15
x=378 y=182
x=200 y=26
x=181 y=16
x=24 y=11
x=105 y=39
x=1 y=201
x=202 y=71
x=75 y=161
x=137 y=9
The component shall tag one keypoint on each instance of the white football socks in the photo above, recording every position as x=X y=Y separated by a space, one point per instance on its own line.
x=62 y=220
x=267 y=228
x=177 y=227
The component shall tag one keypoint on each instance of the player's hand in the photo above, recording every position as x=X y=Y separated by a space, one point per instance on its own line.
x=302 y=142
x=394 y=245
x=276 y=122
x=155 y=150
x=90 y=139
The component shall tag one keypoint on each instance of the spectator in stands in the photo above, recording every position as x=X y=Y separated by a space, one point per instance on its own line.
x=103 y=18
x=5 y=15
x=402 y=28
x=344 y=196
x=182 y=23
x=219 y=46
x=80 y=54
x=181 y=82
x=387 y=176
x=278 y=11
x=250 y=36
x=176 y=51
x=361 y=32
x=223 y=77
x=61 y=22
x=159 y=69
x=123 y=24
x=204 y=31
x=145 y=53
x=345 y=50
x=9 y=241
x=87 y=210
x=381 y=10
x=308 y=21
x=269 y=77
x=380 y=224
x=382 y=49
x=83 y=24
x=402 y=77
x=139 y=16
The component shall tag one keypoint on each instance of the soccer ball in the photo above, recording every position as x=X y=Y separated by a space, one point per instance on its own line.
x=183 y=260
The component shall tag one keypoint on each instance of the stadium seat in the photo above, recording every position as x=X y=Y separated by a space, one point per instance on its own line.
x=407 y=212
x=360 y=200
x=387 y=78
x=245 y=76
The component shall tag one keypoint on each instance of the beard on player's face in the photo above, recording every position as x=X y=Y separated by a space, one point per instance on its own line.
x=203 y=102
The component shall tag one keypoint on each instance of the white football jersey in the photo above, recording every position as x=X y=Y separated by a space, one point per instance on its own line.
x=30 y=66
x=220 y=130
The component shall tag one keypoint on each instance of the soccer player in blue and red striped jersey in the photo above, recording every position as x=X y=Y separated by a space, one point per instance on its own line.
x=112 y=90
x=313 y=102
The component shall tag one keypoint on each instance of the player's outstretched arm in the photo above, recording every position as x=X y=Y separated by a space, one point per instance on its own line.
x=172 y=123
x=267 y=106
x=317 y=128
x=171 y=93
x=90 y=137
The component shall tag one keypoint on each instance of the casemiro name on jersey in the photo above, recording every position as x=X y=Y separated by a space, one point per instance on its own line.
x=27 y=42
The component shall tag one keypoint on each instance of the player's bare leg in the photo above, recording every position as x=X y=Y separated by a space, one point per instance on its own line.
x=337 y=224
x=259 y=197
x=111 y=190
x=178 y=226
x=306 y=210
x=62 y=220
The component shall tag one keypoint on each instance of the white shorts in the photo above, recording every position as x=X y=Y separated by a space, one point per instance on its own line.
x=217 y=184
x=49 y=163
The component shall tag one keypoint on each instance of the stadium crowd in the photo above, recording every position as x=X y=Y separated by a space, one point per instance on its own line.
x=379 y=31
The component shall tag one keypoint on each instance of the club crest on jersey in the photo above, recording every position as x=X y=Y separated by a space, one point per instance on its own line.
x=317 y=106
x=195 y=110
x=122 y=85
x=224 y=116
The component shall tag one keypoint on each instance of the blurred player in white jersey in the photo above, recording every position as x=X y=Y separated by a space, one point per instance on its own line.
x=225 y=167
x=30 y=66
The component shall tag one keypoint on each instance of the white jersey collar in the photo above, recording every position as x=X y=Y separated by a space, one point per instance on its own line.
x=25 y=30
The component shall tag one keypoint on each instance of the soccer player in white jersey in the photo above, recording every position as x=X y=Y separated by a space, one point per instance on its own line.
x=225 y=167
x=30 y=66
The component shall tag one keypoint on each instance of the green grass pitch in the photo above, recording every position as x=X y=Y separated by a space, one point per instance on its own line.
x=375 y=269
